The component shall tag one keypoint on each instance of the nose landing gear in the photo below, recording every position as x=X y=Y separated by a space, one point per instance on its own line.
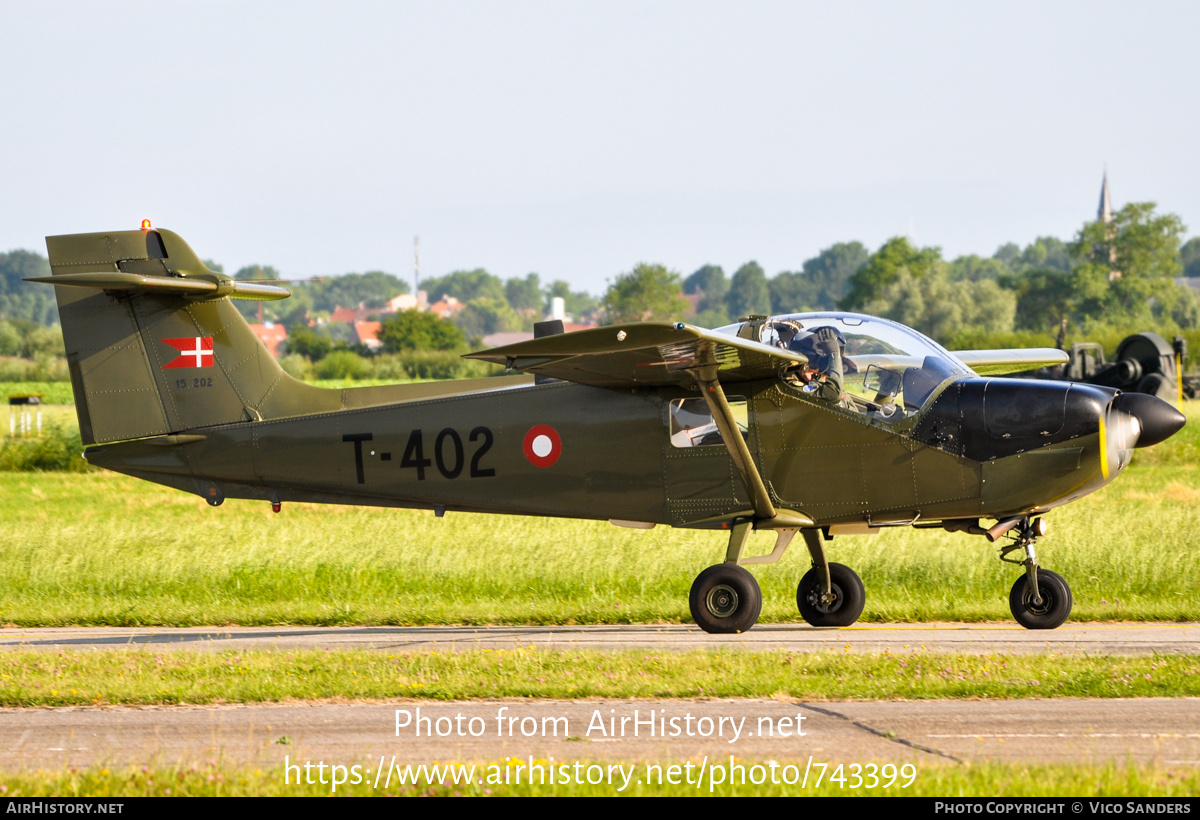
x=1040 y=599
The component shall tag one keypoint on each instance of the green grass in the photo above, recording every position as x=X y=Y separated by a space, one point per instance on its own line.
x=215 y=778
x=99 y=548
x=145 y=677
x=56 y=448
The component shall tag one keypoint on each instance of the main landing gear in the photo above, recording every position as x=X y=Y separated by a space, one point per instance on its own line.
x=725 y=598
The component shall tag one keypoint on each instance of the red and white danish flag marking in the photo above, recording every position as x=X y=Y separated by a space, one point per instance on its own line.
x=194 y=352
x=542 y=445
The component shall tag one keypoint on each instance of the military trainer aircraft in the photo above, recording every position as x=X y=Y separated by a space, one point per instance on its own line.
x=641 y=424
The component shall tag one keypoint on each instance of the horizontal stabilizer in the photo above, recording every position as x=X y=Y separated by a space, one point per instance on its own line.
x=1000 y=362
x=644 y=354
x=167 y=284
x=145 y=261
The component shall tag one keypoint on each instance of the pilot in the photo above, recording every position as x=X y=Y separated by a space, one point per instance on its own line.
x=821 y=376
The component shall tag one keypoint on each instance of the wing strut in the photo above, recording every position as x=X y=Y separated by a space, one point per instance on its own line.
x=718 y=405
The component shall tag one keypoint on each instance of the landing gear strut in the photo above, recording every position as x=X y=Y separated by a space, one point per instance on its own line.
x=1040 y=599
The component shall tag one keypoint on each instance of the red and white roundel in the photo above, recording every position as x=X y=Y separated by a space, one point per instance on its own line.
x=542 y=445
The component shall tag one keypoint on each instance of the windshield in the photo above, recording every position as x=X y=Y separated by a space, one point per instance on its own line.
x=889 y=371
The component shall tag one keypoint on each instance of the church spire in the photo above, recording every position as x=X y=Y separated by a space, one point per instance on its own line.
x=1104 y=214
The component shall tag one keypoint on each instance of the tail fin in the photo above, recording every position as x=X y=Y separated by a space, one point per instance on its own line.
x=154 y=345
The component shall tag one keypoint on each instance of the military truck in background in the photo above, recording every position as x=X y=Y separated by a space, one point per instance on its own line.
x=1146 y=363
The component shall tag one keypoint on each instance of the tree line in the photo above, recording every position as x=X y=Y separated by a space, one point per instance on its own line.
x=1111 y=276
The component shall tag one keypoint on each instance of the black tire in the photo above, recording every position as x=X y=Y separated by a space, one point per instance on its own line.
x=849 y=597
x=725 y=598
x=1056 y=601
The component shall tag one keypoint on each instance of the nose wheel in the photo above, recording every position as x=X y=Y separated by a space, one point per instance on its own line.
x=1047 y=609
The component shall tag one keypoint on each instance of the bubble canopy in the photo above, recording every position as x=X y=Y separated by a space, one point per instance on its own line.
x=889 y=371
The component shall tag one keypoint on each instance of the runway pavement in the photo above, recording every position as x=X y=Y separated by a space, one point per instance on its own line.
x=1165 y=731
x=1084 y=638
x=923 y=733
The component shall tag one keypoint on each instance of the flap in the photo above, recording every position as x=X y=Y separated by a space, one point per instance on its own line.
x=643 y=354
x=999 y=362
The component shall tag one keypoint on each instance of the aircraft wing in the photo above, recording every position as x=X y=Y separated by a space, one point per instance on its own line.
x=643 y=354
x=999 y=362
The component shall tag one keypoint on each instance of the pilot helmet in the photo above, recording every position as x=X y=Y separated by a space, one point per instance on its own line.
x=818 y=350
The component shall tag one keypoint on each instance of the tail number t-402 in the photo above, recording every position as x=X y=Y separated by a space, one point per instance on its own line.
x=449 y=454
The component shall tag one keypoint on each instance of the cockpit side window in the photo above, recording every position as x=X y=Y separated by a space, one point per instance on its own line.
x=692 y=425
x=919 y=383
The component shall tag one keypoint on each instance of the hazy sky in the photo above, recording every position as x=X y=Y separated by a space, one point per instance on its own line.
x=576 y=139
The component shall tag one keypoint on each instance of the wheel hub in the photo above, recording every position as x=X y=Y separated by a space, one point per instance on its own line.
x=722 y=600
x=1039 y=607
x=826 y=603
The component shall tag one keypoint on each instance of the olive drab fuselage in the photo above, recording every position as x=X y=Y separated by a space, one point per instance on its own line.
x=614 y=458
